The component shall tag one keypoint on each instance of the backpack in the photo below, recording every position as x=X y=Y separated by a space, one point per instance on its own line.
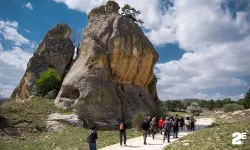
x=121 y=126
x=90 y=135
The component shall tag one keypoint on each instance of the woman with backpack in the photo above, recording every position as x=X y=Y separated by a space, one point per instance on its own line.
x=153 y=127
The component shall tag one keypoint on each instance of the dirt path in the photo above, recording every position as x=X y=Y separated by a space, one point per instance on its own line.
x=157 y=144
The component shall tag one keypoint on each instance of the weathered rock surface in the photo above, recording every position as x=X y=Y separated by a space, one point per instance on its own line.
x=52 y=94
x=70 y=118
x=55 y=51
x=113 y=74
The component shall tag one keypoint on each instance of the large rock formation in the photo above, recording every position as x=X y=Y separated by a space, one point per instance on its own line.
x=113 y=74
x=55 y=51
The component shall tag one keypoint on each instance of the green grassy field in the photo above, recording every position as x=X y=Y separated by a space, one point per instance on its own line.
x=180 y=113
x=33 y=135
x=218 y=136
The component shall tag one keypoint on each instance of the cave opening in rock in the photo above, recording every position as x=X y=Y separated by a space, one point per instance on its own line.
x=140 y=95
x=71 y=92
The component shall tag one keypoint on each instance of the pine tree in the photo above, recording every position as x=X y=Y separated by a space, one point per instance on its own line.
x=131 y=13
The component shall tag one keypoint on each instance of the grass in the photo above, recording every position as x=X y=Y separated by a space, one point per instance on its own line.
x=32 y=114
x=218 y=136
x=71 y=138
x=180 y=113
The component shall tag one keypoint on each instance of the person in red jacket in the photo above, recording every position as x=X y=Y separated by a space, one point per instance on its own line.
x=160 y=122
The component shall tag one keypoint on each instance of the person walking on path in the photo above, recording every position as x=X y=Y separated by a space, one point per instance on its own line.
x=92 y=137
x=145 y=128
x=160 y=122
x=182 y=123
x=149 y=120
x=176 y=126
x=188 y=123
x=153 y=127
x=167 y=125
x=123 y=127
x=193 y=120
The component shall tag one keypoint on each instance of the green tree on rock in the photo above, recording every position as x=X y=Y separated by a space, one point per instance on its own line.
x=194 y=108
x=49 y=80
x=131 y=13
x=247 y=99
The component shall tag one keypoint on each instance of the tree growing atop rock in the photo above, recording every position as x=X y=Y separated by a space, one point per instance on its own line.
x=131 y=13
x=194 y=108
x=49 y=80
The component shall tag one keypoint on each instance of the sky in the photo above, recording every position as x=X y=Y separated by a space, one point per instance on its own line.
x=203 y=45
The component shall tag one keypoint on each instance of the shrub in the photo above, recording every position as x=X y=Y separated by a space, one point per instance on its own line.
x=48 y=81
x=137 y=120
x=232 y=107
x=194 y=108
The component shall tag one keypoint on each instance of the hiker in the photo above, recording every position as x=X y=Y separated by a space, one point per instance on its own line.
x=92 y=137
x=182 y=123
x=149 y=120
x=145 y=128
x=171 y=118
x=167 y=125
x=160 y=122
x=187 y=123
x=123 y=127
x=153 y=127
x=193 y=120
x=176 y=126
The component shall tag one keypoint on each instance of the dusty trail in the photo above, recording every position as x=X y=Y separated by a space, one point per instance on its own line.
x=157 y=144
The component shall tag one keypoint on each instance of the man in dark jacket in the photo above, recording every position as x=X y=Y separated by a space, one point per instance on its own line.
x=176 y=126
x=92 y=137
x=145 y=128
x=167 y=125
x=123 y=127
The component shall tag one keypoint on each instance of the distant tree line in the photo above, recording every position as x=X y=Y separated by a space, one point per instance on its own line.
x=180 y=105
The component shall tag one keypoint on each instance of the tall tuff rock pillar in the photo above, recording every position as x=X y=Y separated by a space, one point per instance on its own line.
x=55 y=51
x=113 y=75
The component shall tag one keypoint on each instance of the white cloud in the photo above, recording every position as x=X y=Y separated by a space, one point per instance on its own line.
x=29 y=5
x=216 y=42
x=9 y=31
x=81 y=5
x=12 y=66
x=6 y=90
x=15 y=57
x=26 y=30
x=1 y=48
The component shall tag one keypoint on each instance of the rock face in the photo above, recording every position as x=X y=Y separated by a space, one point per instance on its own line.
x=113 y=74
x=55 y=51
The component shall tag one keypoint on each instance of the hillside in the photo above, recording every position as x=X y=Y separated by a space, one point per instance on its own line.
x=23 y=126
x=219 y=135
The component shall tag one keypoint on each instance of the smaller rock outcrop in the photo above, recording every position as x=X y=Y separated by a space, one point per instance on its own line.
x=53 y=122
x=55 y=51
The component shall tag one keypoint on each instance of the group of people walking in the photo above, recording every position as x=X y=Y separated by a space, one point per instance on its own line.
x=171 y=124
x=149 y=127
